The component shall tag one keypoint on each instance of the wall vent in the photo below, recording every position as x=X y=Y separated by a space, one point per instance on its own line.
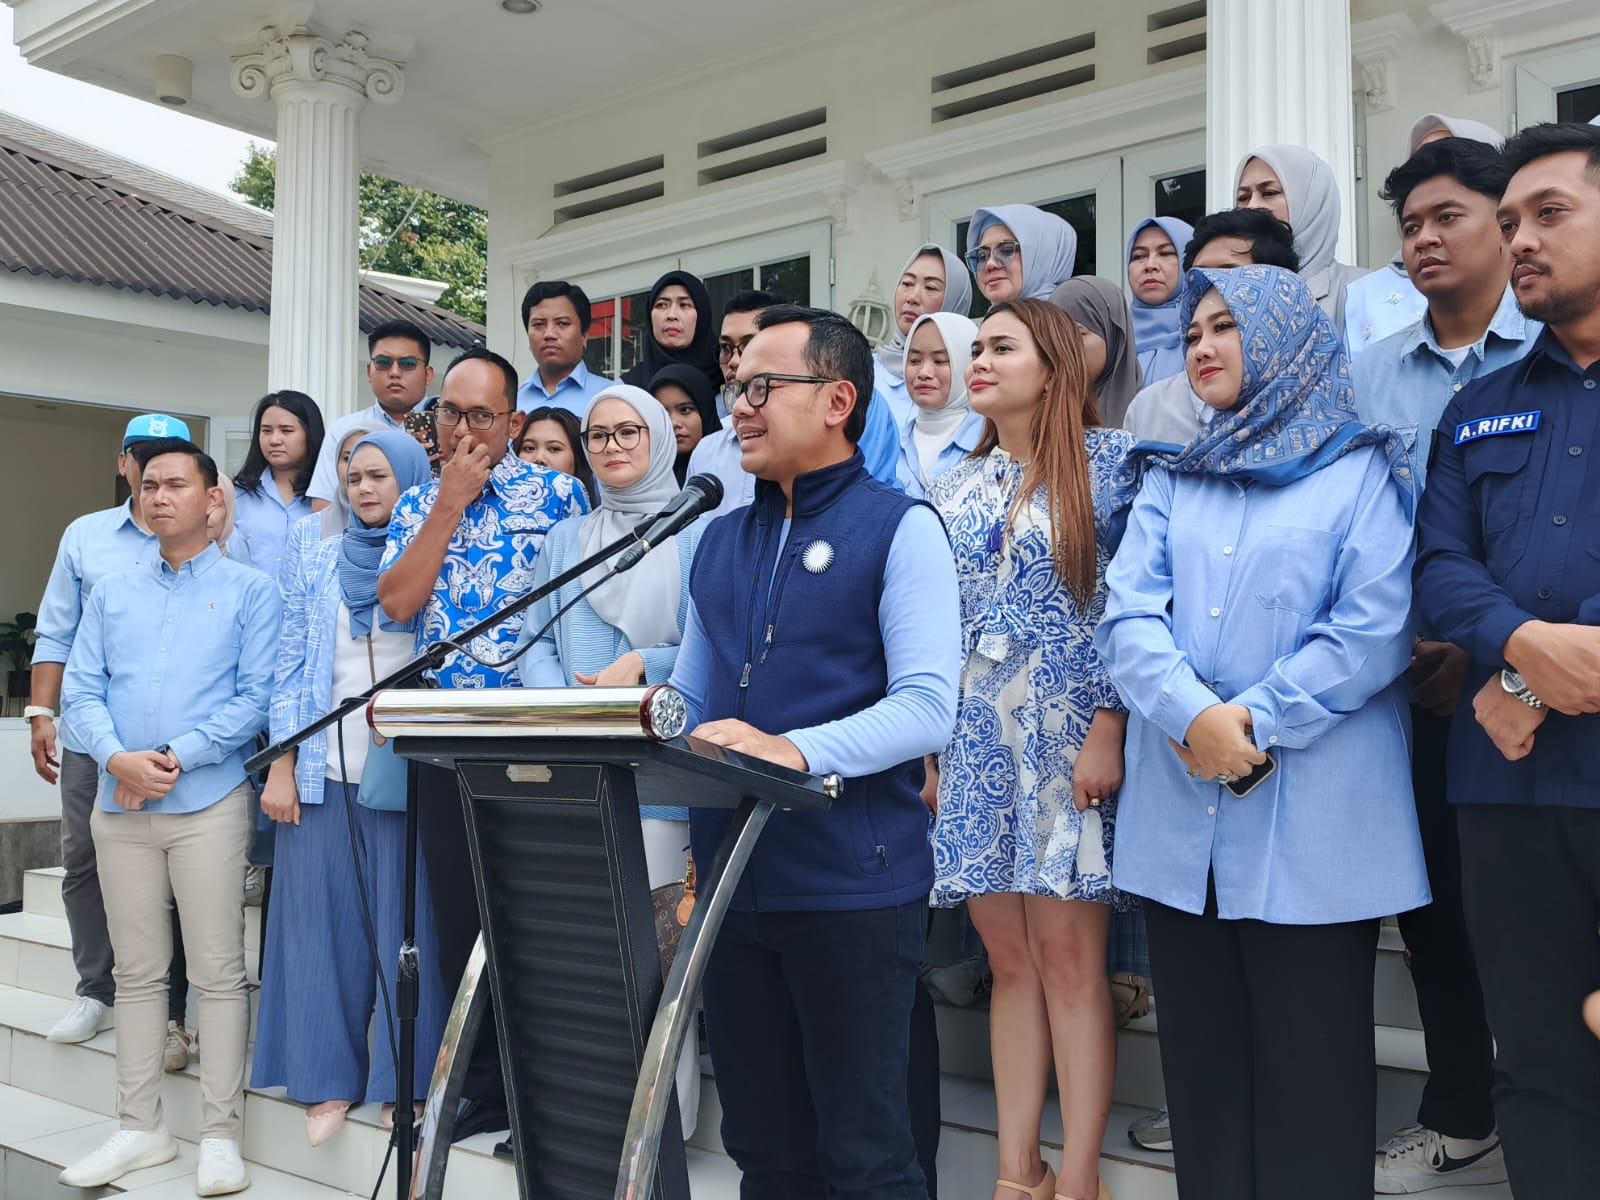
x=1176 y=32
x=584 y=183
x=1179 y=15
x=598 y=191
x=1013 y=77
x=763 y=147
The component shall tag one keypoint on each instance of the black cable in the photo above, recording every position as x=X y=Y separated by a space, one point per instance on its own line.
x=548 y=625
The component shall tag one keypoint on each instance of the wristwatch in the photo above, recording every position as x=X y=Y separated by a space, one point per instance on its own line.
x=1512 y=682
x=38 y=710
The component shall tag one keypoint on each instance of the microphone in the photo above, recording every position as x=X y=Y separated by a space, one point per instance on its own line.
x=700 y=495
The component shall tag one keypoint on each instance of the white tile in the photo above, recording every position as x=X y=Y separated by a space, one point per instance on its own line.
x=24 y=1116
x=76 y=1075
x=31 y=927
x=5 y=1056
x=275 y=1135
x=8 y=962
x=42 y=967
x=41 y=892
x=33 y=1012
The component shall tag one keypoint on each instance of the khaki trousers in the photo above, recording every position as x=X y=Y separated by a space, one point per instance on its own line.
x=146 y=861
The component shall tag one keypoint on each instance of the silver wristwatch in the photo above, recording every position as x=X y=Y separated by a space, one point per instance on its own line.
x=1512 y=682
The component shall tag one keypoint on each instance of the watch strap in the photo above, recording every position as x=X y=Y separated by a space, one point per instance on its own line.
x=38 y=710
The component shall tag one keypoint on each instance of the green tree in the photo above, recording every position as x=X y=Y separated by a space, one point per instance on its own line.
x=404 y=230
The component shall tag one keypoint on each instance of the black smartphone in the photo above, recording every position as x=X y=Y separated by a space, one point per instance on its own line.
x=423 y=424
x=1246 y=784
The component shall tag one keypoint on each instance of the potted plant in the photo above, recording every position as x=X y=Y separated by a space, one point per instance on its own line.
x=17 y=637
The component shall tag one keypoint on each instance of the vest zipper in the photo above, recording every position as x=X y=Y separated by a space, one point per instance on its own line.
x=749 y=640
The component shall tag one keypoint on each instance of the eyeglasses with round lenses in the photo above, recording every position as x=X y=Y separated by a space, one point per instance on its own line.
x=1001 y=252
x=625 y=436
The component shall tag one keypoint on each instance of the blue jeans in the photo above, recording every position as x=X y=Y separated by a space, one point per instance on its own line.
x=809 y=1019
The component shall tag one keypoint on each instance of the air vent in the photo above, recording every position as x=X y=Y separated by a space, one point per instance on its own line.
x=763 y=147
x=597 y=192
x=633 y=170
x=1176 y=32
x=1013 y=77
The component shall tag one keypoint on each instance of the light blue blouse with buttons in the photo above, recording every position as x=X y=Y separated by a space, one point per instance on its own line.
x=1293 y=601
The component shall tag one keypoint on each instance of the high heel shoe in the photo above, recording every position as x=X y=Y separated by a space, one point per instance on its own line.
x=1042 y=1190
x=324 y=1125
x=1105 y=1193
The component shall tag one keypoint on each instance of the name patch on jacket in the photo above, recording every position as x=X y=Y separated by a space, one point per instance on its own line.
x=1523 y=422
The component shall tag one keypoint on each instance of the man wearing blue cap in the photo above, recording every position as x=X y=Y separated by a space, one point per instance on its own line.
x=93 y=547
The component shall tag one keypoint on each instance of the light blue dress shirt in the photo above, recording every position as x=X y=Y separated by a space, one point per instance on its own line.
x=1379 y=305
x=325 y=479
x=302 y=686
x=894 y=393
x=178 y=658
x=573 y=393
x=1293 y=601
x=265 y=521
x=1406 y=381
x=908 y=470
x=919 y=616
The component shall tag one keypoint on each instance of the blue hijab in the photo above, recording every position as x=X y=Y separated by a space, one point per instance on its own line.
x=1296 y=412
x=361 y=548
x=1156 y=331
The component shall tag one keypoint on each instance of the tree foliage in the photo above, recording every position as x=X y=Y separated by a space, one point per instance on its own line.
x=404 y=230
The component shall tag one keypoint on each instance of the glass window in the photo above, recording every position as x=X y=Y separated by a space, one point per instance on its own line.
x=1578 y=105
x=598 y=352
x=1182 y=196
x=633 y=327
x=1077 y=211
x=722 y=287
x=790 y=279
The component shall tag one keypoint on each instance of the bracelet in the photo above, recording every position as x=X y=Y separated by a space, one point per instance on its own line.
x=38 y=710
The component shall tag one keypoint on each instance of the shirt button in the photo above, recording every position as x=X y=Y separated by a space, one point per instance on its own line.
x=1558 y=520
x=1211 y=811
x=1575 y=451
x=1455 y=387
x=1216 y=612
x=1589 y=383
x=1273 y=740
x=1546 y=592
x=1227 y=549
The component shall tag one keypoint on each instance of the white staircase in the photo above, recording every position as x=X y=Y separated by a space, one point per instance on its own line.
x=58 y=1102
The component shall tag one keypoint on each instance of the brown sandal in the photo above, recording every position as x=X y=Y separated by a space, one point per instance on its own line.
x=1043 y=1190
x=1130 y=998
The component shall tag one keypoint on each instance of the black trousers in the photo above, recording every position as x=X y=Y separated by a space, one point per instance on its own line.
x=1266 y=1047
x=1532 y=881
x=442 y=837
x=922 y=1083
x=808 y=1015
x=1456 y=1100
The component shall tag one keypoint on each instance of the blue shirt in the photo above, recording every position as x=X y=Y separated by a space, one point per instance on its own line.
x=94 y=546
x=489 y=562
x=573 y=393
x=880 y=441
x=1506 y=535
x=908 y=469
x=178 y=658
x=1380 y=305
x=1293 y=601
x=894 y=393
x=264 y=520
x=325 y=479
x=1406 y=380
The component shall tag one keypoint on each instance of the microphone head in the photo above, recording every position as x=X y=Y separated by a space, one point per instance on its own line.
x=707 y=485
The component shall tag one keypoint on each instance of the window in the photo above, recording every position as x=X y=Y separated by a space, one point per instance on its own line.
x=1578 y=104
x=1182 y=196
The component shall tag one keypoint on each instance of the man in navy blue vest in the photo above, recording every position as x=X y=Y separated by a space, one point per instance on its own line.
x=824 y=634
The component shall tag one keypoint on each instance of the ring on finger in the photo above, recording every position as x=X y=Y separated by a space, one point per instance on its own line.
x=1094 y=801
x=1226 y=777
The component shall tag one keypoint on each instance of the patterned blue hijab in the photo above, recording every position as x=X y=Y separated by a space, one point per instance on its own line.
x=361 y=548
x=1296 y=412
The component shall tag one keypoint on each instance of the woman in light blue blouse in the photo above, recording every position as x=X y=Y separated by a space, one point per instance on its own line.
x=941 y=429
x=1258 y=620
x=285 y=439
x=626 y=631
x=320 y=983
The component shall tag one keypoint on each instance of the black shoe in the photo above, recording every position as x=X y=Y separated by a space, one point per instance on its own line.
x=503 y=1150
x=480 y=1116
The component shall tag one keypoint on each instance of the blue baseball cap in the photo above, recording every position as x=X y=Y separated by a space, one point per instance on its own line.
x=153 y=425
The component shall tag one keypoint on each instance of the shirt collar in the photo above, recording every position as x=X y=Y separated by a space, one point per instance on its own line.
x=198 y=565
x=509 y=473
x=578 y=378
x=1507 y=325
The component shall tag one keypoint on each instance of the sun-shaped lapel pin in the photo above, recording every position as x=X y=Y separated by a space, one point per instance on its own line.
x=818 y=557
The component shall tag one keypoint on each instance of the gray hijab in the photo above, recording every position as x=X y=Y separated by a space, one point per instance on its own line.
x=891 y=355
x=1049 y=245
x=1098 y=306
x=1460 y=127
x=1313 y=199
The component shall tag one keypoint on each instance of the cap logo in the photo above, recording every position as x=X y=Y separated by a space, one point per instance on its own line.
x=158 y=427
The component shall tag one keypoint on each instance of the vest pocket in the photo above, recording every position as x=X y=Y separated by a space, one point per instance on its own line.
x=867 y=839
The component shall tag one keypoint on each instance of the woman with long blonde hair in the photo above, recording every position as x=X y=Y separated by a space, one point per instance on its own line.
x=1027 y=787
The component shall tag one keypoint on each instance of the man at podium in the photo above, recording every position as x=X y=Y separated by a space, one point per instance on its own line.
x=824 y=635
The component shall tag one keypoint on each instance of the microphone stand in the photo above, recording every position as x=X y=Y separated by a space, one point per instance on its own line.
x=407 y=974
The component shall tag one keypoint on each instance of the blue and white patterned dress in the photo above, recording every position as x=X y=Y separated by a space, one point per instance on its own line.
x=1031 y=681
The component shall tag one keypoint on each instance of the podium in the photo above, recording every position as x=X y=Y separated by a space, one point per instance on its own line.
x=551 y=781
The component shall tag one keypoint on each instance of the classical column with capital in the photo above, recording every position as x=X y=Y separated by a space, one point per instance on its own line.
x=319 y=88
x=1279 y=72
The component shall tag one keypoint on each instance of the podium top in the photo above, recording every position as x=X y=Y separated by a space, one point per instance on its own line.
x=593 y=712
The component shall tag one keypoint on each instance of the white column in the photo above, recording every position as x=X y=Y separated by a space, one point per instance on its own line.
x=1280 y=72
x=319 y=88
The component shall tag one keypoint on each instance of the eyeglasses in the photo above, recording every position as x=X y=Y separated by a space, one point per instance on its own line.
x=726 y=350
x=407 y=364
x=625 y=436
x=477 y=418
x=756 y=388
x=1001 y=252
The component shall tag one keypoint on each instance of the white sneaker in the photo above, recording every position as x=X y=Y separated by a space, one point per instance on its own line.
x=86 y=1018
x=1153 y=1131
x=126 y=1150
x=221 y=1171
x=1417 y=1159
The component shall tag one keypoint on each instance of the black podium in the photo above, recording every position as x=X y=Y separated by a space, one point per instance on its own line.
x=551 y=782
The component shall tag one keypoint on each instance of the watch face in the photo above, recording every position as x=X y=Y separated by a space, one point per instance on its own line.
x=1512 y=682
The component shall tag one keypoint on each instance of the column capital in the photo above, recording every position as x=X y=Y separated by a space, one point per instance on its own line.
x=299 y=56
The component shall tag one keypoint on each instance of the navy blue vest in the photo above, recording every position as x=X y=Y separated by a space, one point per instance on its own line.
x=807 y=651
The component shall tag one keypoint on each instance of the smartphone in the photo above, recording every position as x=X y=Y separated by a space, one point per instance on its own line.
x=423 y=424
x=1246 y=784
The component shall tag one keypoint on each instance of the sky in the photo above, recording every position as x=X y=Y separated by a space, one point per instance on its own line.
x=166 y=139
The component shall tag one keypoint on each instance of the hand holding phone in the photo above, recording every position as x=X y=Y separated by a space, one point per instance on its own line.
x=423 y=424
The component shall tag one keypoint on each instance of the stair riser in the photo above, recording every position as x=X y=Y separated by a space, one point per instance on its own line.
x=50 y=970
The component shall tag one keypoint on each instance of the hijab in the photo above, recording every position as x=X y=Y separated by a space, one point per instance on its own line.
x=1459 y=127
x=1098 y=306
x=336 y=516
x=1312 y=195
x=229 y=503
x=643 y=603
x=701 y=352
x=1296 y=412
x=933 y=430
x=699 y=389
x=361 y=549
x=1049 y=245
x=1155 y=326
x=957 y=299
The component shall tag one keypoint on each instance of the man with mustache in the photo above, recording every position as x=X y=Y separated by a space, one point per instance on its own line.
x=1508 y=568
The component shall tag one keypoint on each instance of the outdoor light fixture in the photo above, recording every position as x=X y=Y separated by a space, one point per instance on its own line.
x=870 y=314
x=521 y=7
x=174 y=79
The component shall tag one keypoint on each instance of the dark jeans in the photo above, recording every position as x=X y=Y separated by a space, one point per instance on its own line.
x=442 y=835
x=1266 y=1047
x=1456 y=1100
x=1532 y=883
x=808 y=1015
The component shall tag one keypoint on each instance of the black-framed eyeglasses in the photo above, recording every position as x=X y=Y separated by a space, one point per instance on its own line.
x=407 y=364
x=1001 y=252
x=477 y=418
x=726 y=350
x=756 y=388
x=625 y=436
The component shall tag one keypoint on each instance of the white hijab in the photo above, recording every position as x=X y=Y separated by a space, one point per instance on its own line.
x=957 y=299
x=643 y=603
x=1049 y=244
x=1460 y=127
x=935 y=429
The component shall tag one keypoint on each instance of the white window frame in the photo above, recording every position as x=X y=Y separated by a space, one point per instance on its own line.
x=1539 y=77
